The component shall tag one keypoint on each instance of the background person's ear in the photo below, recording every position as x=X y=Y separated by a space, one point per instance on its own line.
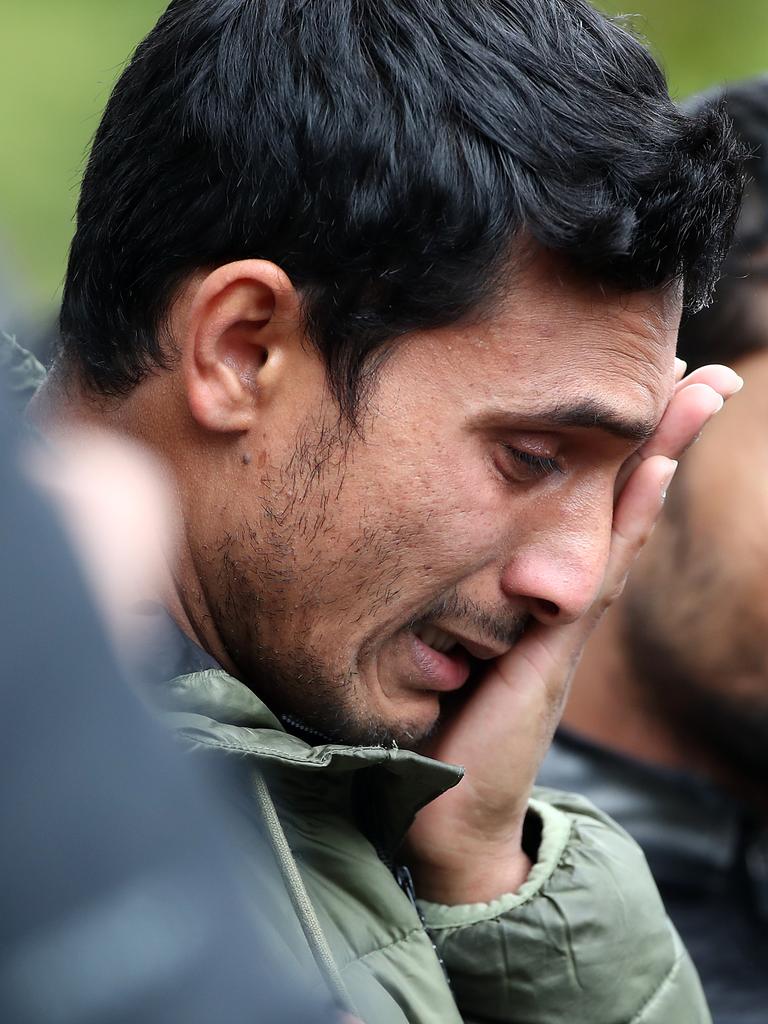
x=242 y=319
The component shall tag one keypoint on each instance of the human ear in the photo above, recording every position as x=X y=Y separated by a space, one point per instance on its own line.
x=242 y=318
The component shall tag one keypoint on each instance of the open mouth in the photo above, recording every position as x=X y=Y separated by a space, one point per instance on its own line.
x=443 y=663
x=447 y=661
x=437 y=639
x=448 y=643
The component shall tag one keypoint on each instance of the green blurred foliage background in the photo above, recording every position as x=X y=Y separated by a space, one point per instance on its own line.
x=59 y=59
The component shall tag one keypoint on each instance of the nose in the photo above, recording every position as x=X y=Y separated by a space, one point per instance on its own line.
x=558 y=572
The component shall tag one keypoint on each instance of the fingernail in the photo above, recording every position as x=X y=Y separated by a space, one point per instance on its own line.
x=734 y=385
x=680 y=365
x=667 y=478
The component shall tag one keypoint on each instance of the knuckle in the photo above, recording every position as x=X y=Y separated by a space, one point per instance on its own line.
x=611 y=594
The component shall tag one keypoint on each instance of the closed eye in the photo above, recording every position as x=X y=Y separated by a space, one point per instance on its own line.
x=521 y=465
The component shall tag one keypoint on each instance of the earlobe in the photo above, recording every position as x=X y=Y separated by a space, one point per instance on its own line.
x=235 y=328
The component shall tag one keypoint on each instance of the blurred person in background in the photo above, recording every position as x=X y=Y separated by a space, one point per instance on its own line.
x=394 y=293
x=666 y=728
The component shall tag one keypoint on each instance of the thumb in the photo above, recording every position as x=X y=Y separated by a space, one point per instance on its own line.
x=634 y=518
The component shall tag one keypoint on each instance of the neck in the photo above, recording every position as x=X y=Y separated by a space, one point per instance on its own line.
x=185 y=602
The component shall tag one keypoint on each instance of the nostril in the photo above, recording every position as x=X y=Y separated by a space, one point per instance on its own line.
x=549 y=608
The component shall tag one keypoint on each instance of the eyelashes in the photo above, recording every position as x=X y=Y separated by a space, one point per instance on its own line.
x=528 y=465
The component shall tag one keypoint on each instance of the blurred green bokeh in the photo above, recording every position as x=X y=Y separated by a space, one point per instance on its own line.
x=58 y=62
x=60 y=58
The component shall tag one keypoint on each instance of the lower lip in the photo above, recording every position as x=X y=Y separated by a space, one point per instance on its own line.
x=443 y=672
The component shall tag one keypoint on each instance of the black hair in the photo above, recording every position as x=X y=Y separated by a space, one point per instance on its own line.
x=731 y=327
x=386 y=154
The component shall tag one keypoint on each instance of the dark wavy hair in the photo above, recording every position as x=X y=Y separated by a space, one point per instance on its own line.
x=732 y=326
x=386 y=154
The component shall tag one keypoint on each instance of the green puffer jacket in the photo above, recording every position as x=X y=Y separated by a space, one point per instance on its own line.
x=585 y=940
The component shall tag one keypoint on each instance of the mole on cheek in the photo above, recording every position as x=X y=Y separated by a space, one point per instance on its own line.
x=246 y=460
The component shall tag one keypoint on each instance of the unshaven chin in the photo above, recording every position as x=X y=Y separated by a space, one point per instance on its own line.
x=333 y=709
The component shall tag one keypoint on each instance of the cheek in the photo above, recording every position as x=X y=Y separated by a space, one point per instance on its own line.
x=439 y=511
x=457 y=505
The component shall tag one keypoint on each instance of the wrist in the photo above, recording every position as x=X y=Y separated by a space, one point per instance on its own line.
x=473 y=872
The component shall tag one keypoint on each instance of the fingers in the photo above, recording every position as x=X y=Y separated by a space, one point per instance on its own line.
x=685 y=418
x=721 y=379
x=697 y=398
x=635 y=516
x=645 y=476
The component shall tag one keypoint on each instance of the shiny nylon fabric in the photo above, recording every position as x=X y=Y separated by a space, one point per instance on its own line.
x=585 y=939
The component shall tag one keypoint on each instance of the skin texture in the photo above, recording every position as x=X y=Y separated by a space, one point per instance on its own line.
x=478 y=494
x=677 y=672
x=331 y=545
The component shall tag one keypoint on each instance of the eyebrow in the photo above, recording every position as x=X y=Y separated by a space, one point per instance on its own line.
x=595 y=416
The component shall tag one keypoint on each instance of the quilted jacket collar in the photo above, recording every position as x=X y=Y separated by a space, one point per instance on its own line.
x=208 y=708
x=211 y=709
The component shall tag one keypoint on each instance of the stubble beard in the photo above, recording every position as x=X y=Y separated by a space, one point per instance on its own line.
x=318 y=705
x=257 y=591
x=732 y=728
x=662 y=637
x=328 y=705
x=258 y=584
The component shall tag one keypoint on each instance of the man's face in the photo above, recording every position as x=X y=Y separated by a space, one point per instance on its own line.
x=357 y=580
x=695 y=613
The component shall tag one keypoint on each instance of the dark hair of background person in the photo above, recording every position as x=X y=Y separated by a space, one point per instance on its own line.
x=733 y=326
x=385 y=154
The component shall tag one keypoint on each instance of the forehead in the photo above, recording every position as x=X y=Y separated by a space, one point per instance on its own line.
x=553 y=335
